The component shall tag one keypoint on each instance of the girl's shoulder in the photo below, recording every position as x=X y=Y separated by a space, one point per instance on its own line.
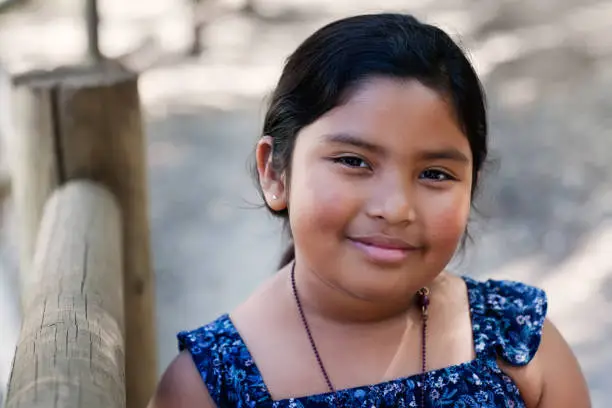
x=507 y=318
x=220 y=355
x=219 y=330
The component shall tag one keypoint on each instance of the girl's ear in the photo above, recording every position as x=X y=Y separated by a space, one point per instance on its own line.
x=272 y=183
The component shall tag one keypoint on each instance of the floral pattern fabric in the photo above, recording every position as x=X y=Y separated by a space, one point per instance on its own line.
x=507 y=319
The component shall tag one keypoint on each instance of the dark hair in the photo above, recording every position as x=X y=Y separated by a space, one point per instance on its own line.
x=332 y=62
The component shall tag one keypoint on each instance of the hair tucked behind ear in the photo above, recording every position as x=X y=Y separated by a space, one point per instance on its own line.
x=328 y=65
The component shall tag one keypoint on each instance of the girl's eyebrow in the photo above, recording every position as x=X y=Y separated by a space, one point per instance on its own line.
x=449 y=153
x=353 y=140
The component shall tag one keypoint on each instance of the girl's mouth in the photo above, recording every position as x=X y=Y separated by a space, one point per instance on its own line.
x=383 y=248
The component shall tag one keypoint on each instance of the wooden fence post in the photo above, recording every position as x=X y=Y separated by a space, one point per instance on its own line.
x=70 y=352
x=92 y=21
x=198 y=27
x=28 y=132
x=85 y=123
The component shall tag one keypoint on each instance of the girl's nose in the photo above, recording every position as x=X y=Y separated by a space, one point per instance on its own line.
x=393 y=201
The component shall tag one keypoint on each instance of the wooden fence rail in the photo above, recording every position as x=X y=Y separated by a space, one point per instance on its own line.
x=71 y=346
x=82 y=123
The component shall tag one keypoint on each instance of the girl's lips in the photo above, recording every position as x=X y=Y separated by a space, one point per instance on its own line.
x=381 y=249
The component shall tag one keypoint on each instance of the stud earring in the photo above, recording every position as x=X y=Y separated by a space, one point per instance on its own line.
x=274 y=197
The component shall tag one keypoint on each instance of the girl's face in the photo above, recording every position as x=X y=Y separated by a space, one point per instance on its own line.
x=379 y=195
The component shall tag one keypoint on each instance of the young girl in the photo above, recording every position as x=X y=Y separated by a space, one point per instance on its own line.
x=371 y=153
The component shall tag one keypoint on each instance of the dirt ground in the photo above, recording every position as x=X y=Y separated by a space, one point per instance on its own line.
x=546 y=203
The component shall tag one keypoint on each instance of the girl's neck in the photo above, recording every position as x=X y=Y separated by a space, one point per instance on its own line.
x=327 y=302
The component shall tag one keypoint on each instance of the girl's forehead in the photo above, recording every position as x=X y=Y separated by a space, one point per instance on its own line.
x=391 y=101
x=408 y=91
x=395 y=114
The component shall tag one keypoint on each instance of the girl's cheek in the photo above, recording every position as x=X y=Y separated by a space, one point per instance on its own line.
x=446 y=221
x=317 y=199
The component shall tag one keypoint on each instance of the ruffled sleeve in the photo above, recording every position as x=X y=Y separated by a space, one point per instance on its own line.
x=202 y=344
x=225 y=364
x=508 y=318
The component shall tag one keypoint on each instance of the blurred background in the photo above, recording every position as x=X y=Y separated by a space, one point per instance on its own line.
x=545 y=207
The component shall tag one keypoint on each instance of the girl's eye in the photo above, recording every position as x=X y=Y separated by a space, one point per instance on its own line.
x=352 y=161
x=436 y=175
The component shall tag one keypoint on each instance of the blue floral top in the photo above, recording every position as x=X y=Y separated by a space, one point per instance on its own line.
x=507 y=320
